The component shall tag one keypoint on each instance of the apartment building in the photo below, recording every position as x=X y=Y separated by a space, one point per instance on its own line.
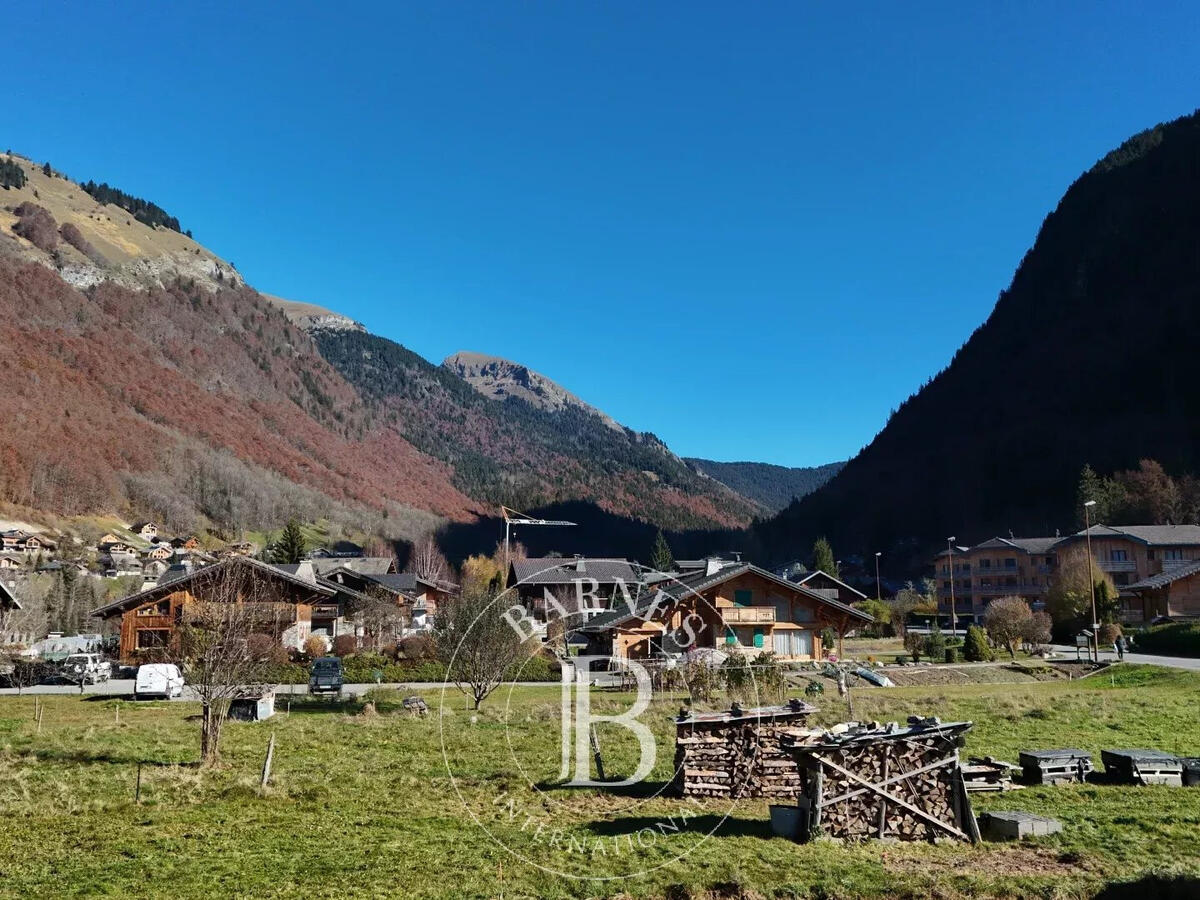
x=1130 y=554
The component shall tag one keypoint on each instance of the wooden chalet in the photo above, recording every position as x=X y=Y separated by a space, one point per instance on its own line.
x=732 y=608
x=829 y=586
x=566 y=579
x=150 y=620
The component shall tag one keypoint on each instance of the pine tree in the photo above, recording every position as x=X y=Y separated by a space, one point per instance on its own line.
x=661 y=558
x=46 y=170
x=823 y=558
x=290 y=547
x=1091 y=487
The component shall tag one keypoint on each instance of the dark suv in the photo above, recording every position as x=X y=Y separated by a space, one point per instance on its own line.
x=325 y=676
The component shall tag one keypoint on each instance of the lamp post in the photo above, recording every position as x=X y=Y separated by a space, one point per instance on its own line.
x=878 y=597
x=1087 y=532
x=953 y=612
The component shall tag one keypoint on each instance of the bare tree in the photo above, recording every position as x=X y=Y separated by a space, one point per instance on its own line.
x=427 y=560
x=215 y=642
x=382 y=618
x=476 y=643
x=1007 y=621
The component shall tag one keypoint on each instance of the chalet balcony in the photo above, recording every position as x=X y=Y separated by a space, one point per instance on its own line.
x=748 y=615
x=1118 y=565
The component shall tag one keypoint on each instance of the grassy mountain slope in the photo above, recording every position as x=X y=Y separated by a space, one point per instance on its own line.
x=769 y=486
x=1088 y=356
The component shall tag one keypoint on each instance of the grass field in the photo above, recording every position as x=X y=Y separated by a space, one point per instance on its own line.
x=361 y=803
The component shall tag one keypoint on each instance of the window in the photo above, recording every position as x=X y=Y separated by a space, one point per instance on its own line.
x=801 y=614
x=152 y=638
x=945 y=586
x=743 y=598
x=985 y=564
x=1173 y=553
x=1010 y=562
x=162 y=608
x=1118 y=555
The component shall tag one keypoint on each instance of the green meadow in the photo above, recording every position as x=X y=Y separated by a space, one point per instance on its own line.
x=370 y=801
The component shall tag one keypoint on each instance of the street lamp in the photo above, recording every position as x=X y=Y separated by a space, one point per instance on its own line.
x=877 y=594
x=953 y=613
x=1087 y=532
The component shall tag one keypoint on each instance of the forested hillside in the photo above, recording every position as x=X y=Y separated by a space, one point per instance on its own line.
x=512 y=452
x=194 y=407
x=1088 y=357
x=771 y=487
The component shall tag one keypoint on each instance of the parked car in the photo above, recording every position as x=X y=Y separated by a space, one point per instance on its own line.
x=158 y=680
x=325 y=676
x=86 y=668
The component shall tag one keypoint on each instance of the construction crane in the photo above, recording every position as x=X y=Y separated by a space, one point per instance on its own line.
x=513 y=517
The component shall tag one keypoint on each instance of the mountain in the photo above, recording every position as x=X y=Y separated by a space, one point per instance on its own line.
x=499 y=379
x=143 y=376
x=1088 y=357
x=526 y=448
x=769 y=486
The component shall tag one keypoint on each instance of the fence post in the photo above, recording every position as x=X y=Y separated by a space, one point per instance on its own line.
x=266 y=769
x=137 y=790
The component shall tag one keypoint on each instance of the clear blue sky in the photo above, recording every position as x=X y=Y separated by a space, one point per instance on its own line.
x=790 y=214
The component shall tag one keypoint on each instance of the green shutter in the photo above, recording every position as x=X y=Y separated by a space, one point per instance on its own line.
x=730 y=636
x=743 y=598
x=758 y=637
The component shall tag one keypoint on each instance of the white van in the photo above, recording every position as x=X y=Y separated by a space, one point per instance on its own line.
x=158 y=680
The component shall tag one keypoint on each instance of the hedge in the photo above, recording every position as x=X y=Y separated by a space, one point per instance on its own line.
x=1178 y=639
x=361 y=668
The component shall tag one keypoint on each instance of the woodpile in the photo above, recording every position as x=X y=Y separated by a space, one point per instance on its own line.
x=739 y=753
x=885 y=782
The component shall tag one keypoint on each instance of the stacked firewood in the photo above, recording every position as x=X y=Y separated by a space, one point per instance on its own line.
x=886 y=782
x=739 y=753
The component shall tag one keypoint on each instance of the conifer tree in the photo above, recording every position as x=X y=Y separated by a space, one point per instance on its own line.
x=290 y=547
x=661 y=558
x=823 y=559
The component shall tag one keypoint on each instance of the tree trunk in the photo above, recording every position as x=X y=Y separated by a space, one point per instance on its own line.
x=210 y=736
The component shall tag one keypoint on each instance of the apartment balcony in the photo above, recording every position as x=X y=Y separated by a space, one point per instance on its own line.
x=748 y=615
x=1001 y=590
x=1170 y=565
x=1119 y=565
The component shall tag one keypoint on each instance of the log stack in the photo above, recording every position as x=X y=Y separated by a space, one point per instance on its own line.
x=865 y=781
x=739 y=753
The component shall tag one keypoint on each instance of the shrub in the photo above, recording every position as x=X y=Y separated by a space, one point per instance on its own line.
x=1182 y=639
x=935 y=644
x=1007 y=620
x=344 y=645
x=314 y=646
x=37 y=226
x=1038 y=629
x=915 y=644
x=1109 y=632
x=828 y=638
x=265 y=647
x=976 y=648
x=417 y=648
x=73 y=236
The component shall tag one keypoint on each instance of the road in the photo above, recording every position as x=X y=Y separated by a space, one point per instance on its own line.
x=1107 y=655
x=123 y=687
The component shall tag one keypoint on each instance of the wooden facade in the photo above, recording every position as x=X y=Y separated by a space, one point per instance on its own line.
x=150 y=620
x=745 y=610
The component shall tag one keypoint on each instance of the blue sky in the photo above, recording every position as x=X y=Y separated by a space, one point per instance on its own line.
x=791 y=214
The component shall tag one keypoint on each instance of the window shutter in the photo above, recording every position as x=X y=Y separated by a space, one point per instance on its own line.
x=742 y=598
x=758 y=637
x=730 y=636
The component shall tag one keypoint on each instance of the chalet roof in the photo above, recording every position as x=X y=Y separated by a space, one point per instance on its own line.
x=1033 y=545
x=689 y=585
x=364 y=565
x=8 y=599
x=1164 y=578
x=403 y=582
x=174 y=584
x=556 y=570
x=808 y=576
x=1151 y=535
